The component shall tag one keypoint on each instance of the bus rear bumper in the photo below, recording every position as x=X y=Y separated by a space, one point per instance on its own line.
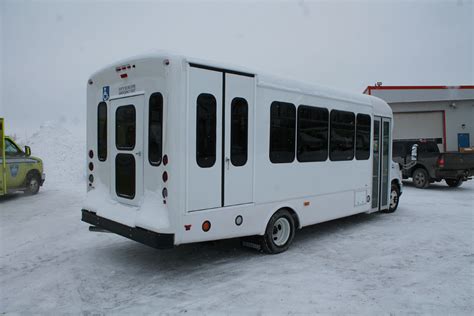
x=141 y=235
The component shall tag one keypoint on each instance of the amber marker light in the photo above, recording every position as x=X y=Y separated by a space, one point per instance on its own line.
x=206 y=226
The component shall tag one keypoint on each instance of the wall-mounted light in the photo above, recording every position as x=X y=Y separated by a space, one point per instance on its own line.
x=453 y=105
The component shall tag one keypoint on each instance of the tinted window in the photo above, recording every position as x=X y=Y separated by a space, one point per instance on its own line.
x=102 y=131
x=125 y=127
x=206 y=130
x=428 y=147
x=398 y=149
x=125 y=175
x=312 y=133
x=155 y=129
x=363 y=137
x=385 y=162
x=342 y=135
x=11 y=149
x=239 y=132
x=282 y=132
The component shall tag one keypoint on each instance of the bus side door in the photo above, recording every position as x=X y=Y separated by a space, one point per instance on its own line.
x=3 y=180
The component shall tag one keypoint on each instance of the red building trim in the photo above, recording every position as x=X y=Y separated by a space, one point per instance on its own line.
x=369 y=89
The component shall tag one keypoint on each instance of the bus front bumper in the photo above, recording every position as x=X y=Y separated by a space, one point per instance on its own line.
x=141 y=235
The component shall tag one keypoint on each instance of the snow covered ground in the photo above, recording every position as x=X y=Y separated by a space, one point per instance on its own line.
x=417 y=260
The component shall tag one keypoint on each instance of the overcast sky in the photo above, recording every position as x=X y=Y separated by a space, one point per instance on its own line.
x=48 y=49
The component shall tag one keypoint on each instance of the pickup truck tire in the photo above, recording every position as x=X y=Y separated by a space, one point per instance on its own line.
x=33 y=181
x=454 y=183
x=420 y=178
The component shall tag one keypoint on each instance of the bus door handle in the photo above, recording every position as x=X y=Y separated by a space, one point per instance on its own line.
x=227 y=162
x=138 y=153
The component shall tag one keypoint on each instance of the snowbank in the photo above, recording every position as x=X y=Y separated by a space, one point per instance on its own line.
x=63 y=154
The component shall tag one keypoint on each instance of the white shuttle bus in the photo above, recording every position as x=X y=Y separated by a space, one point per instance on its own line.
x=182 y=150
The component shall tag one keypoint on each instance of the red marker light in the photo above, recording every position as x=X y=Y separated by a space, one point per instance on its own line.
x=441 y=162
x=123 y=76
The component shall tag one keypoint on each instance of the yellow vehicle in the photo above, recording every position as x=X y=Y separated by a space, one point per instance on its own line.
x=19 y=171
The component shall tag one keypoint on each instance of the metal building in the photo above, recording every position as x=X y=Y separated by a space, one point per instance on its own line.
x=441 y=113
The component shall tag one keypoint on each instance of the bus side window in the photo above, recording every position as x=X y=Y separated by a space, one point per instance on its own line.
x=239 y=132
x=282 y=132
x=206 y=130
x=363 y=126
x=155 y=129
x=313 y=130
x=342 y=135
x=102 y=131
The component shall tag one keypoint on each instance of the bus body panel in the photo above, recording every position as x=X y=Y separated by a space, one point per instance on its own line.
x=218 y=191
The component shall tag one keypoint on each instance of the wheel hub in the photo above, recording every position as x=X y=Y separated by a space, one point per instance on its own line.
x=281 y=231
x=393 y=199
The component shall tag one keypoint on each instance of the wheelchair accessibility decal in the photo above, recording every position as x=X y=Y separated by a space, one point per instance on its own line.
x=105 y=93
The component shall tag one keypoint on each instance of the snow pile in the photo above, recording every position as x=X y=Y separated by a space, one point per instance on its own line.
x=63 y=155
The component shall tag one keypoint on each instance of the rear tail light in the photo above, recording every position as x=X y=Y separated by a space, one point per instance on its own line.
x=91 y=178
x=91 y=166
x=91 y=154
x=440 y=161
x=165 y=176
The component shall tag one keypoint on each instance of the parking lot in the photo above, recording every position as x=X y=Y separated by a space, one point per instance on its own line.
x=419 y=259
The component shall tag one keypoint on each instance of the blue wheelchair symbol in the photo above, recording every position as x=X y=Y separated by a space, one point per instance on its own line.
x=105 y=93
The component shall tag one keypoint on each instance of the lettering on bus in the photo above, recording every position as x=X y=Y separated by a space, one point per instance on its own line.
x=127 y=89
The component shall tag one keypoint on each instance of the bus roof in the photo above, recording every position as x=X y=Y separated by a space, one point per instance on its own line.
x=270 y=81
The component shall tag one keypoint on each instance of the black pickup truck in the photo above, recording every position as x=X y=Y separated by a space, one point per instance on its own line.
x=423 y=162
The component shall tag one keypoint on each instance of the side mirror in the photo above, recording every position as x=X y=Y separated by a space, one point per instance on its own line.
x=27 y=151
x=414 y=152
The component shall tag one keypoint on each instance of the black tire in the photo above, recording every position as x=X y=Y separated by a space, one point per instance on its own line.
x=394 y=199
x=33 y=183
x=279 y=233
x=420 y=178
x=454 y=183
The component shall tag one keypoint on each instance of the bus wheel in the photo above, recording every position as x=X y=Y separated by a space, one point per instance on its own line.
x=454 y=183
x=279 y=233
x=420 y=178
x=394 y=198
x=32 y=184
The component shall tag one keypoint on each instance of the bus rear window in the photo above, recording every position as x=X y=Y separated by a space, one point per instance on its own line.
x=102 y=131
x=155 y=129
x=125 y=127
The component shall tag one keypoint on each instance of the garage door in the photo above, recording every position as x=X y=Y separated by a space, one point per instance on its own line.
x=426 y=125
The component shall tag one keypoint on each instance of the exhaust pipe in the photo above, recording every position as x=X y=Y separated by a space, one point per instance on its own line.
x=98 y=229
